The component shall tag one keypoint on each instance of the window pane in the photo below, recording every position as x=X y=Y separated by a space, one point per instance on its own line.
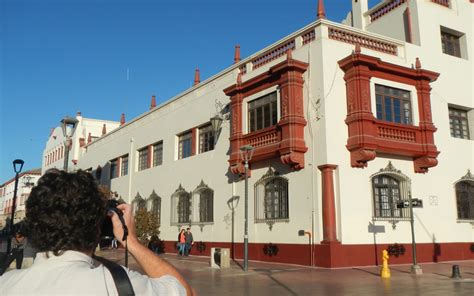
x=263 y=112
x=158 y=154
x=143 y=159
x=206 y=139
x=458 y=123
x=185 y=145
x=392 y=104
x=124 y=167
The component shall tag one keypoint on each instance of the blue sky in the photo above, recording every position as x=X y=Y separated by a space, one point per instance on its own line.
x=63 y=56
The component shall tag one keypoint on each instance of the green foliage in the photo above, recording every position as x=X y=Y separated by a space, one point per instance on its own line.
x=146 y=224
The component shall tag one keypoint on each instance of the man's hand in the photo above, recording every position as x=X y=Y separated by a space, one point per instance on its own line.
x=129 y=222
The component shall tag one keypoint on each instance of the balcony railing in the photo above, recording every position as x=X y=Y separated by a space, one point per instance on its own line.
x=391 y=132
x=442 y=2
x=262 y=137
x=364 y=41
x=273 y=54
x=385 y=9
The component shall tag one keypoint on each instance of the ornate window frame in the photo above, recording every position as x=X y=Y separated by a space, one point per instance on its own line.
x=260 y=198
x=138 y=203
x=369 y=136
x=153 y=205
x=197 y=199
x=469 y=177
x=180 y=193
x=404 y=192
x=285 y=139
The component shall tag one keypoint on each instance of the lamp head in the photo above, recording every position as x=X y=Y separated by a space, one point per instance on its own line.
x=246 y=152
x=18 y=165
x=216 y=123
x=68 y=125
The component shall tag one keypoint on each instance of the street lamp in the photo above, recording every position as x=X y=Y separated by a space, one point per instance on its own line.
x=246 y=153
x=415 y=268
x=17 y=166
x=216 y=123
x=68 y=125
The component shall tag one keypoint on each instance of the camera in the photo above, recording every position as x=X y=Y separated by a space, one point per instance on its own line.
x=107 y=226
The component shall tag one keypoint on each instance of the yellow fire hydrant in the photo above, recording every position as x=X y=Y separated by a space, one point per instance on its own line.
x=385 y=272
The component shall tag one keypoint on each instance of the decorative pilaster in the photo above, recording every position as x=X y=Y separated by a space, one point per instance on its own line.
x=328 y=203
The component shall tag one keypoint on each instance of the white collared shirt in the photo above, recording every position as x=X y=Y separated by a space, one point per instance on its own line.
x=73 y=273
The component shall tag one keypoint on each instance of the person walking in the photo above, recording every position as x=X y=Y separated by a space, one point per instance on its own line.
x=189 y=241
x=181 y=242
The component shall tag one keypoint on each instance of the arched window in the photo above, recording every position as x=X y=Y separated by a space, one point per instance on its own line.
x=271 y=199
x=154 y=205
x=203 y=204
x=389 y=187
x=465 y=197
x=180 y=207
x=138 y=203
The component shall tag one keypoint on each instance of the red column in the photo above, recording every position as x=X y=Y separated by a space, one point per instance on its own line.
x=329 y=209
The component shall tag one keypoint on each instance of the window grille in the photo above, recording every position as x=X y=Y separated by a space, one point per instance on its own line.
x=113 y=169
x=154 y=205
x=180 y=207
x=458 y=123
x=185 y=145
x=262 y=112
x=389 y=187
x=206 y=139
x=450 y=44
x=271 y=199
x=465 y=197
x=124 y=166
x=393 y=104
x=158 y=154
x=138 y=203
x=143 y=159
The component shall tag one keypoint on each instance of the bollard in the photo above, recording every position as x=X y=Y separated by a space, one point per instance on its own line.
x=456 y=272
x=385 y=272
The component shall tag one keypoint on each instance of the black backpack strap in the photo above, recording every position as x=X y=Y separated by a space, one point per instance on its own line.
x=121 y=279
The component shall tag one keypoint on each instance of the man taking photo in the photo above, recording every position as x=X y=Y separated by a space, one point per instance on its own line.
x=64 y=214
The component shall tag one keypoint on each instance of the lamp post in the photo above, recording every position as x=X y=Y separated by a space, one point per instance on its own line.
x=68 y=125
x=216 y=123
x=415 y=268
x=246 y=153
x=232 y=204
x=17 y=166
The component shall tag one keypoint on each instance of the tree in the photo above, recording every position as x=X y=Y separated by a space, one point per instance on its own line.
x=146 y=224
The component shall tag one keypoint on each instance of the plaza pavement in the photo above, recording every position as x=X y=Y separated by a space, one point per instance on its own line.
x=284 y=279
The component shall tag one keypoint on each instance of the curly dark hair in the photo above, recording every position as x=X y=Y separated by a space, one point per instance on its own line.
x=65 y=212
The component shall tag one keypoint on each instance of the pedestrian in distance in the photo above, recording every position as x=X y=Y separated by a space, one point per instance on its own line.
x=189 y=241
x=64 y=215
x=181 y=242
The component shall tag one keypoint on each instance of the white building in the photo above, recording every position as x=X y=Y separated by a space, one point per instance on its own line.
x=86 y=131
x=347 y=121
x=26 y=180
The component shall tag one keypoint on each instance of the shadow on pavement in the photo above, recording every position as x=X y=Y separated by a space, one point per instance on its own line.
x=367 y=271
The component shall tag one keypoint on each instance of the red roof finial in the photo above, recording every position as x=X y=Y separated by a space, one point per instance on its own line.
x=197 y=77
x=89 y=138
x=153 y=102
x=104 y=129
x=122 y=119
x=418 y=63
x=321 y=11
x=237 y=54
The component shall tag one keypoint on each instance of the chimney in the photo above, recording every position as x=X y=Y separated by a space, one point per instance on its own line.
x=359 y=7
x=321 y=12
x=237 y=54
x=122 y=119
x=153 y=102
x=197 y=77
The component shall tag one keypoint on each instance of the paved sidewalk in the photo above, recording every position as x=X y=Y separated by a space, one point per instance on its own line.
x=283 y=279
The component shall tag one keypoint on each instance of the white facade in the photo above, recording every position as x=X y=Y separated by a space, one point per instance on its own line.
x=87 y=129
x=321 y=45
x=26 y=181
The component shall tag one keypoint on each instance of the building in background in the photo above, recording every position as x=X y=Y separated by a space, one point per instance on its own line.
x=26 y=181
x=86 y=131
x=348 y=120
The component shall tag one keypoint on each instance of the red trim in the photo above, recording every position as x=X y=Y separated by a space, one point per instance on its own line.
x=407 y=19
x=369 y=136
x=329 y=208
x=193 y=141
x=339 y=255
x=286 y=139
x=149 y=152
